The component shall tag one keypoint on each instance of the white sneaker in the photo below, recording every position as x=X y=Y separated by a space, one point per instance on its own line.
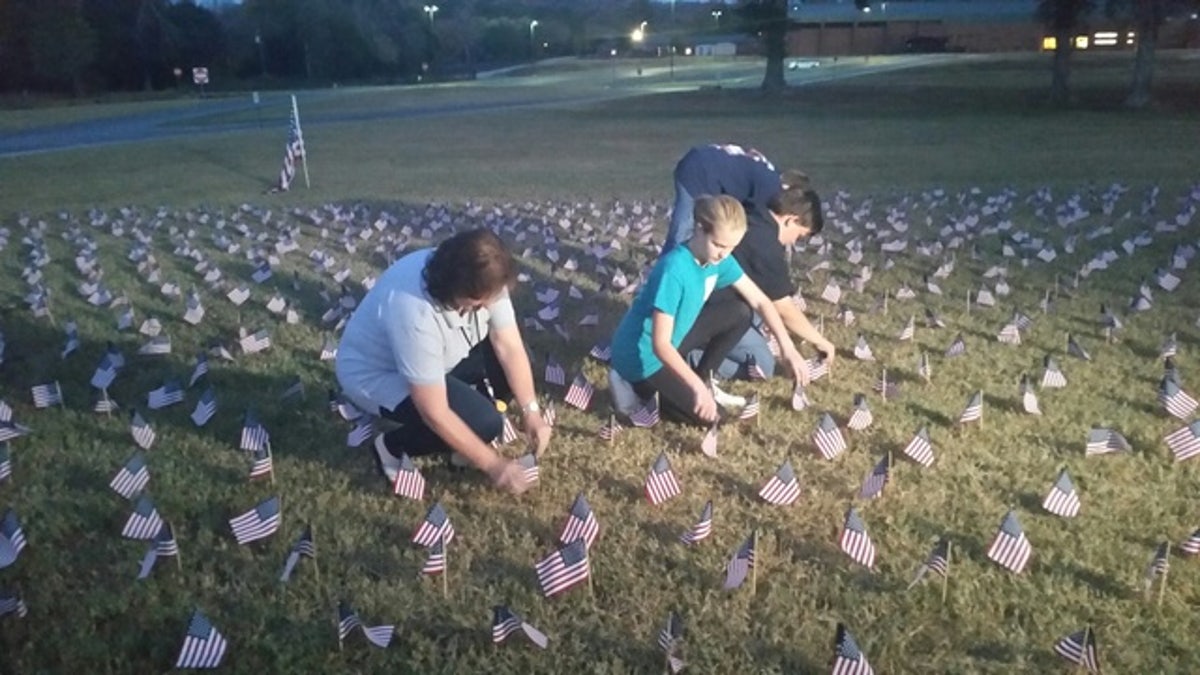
x=387 y=463
x=727 y=400
x=625 y=399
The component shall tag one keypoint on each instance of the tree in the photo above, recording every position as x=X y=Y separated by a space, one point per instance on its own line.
x=61 y=44
x=1148 y=16
x=1061 y=18
x=769 y=19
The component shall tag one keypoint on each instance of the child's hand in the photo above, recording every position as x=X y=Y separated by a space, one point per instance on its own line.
x=704 y=406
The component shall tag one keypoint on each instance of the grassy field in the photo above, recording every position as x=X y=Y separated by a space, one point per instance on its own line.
x=889 y=142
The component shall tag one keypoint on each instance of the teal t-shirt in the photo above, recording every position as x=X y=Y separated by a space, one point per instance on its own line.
x=678 y=286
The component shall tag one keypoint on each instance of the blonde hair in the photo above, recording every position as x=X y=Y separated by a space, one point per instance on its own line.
x=720 y=212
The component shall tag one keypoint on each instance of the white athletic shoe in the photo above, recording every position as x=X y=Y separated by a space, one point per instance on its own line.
x=625 y=399
x=727 y=400
x=387 y=463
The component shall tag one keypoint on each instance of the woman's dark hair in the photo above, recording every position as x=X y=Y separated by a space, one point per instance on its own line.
x=473 y=265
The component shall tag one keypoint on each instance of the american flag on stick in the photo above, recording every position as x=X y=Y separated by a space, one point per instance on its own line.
x=876 y=479
x=579 y=394
x=974 y=410
x=702 y=528
x=848 y=658
x=580 y=523
x=782 y=488
x=203 y=645
x=133 y=476
x=1052 y=377
x=855 y=541
x=1175 y=401
x=1062 y=500
x=938 y=562
x=563 y=569
x=1102 y=441
x=1029 y=399
x=1010 y=549
x=1079 y=648
x=293 y=153
x=1185 y=443
x=740 y=565
x=828 y=438
x=661 y=484
x=861 y=417
x=505 y=622
x=434 y=527
x=258 y=523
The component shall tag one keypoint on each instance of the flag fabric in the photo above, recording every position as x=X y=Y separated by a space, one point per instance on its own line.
x=508 y=432
x=818 y=367
x=255 y=342
x=12 y=603
x=1009 y=334
x=529 y=466
x=505 y=622
x=254 y=434
x=144 y=522
x=1053 y=377
x=1102 y=441
x=563 y=569
x=828 y=438
x=956 y=348
x=168 y=394
x=105 y=373
x=261 y=463
x=293 y=152
x=739 y=566
x=164 y=546
x=754 y=371
x=610 y=429
x=579 y=394
x=601 y=351
x=206 y=407
x=646 y=415
x=661 y=484
x=702 y=528
x=329 y=349
x=1079 y=648
x=1191 y=546
x=5 y=462
x=855 y=542
x=861 y=417
x=862 y=350
x=159 y=345
x=409 y=481
x=1159 y=565
x=848 y=659
x=12 y=539
x=799 y=397
x=132 y=477
x=1077 y=350
x=1185 y=443
x=1029 y=399
x=347 y=620
x=203 y=645
x=305 y=546
x=1062 y=500
x=1169 y=348
x=554 y=372
x=580 y=523
x=199 y=370
x=258 y=523
x=435 y=527
x=782 y=488
x=886 y=387
x=1175 y=401
x=670 y=635
x=876 y=479
x=908 y=331
x=435 y=563
x=46 y=395
x=380 y=636
x=974 y=410
x=938 y=561
x=1010 y=549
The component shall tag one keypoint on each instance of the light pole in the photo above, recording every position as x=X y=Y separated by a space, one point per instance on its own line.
x=431 y=10
x=716 y=14
x=671 y=45
x=532 y=43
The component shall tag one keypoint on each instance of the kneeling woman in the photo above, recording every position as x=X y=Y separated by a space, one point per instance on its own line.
x=672 y=315
x=430 y=336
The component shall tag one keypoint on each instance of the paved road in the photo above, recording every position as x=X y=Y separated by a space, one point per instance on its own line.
x=556 y=84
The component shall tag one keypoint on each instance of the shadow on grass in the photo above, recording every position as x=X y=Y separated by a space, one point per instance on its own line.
x=935 y=418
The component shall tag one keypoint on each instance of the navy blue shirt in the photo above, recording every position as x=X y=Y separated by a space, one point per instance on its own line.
x=726 y=169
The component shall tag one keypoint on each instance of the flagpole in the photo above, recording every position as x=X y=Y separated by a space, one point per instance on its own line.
x=1162 y=584
x=300 y=134
x=968 y=302
x=312 y=531
x=445 y=567
x=754 y=564
x=883 y=388
x=178 y=552
x=271 y=455
x=946 y=576
x=885 y=302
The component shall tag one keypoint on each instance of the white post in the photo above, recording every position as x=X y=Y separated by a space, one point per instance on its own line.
x=300 y=134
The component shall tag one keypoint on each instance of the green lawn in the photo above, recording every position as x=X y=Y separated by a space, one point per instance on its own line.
x=884 y=141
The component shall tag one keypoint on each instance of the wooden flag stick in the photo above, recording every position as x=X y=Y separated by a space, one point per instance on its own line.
x=946 y=576
x=445 y=567
x=883 y=384
x=107 y=401
x=754 y=564
x=1046 y=302
x=316 y=568
x=612 y=428
x=178 y=553
x=1162 y=584
x=968 y=302
x=885 y=302
x=272 y=456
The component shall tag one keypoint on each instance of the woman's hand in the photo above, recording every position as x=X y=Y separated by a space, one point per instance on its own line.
x=509 y=476
x=537 y=432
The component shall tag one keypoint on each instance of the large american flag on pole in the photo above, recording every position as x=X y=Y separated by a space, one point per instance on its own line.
x=293 y=154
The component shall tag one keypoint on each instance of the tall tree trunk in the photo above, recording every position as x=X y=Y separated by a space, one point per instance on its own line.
x=1060 y=91
x=775 y=42
x=1143 y=64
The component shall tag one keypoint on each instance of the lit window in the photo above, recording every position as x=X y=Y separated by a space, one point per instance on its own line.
x=1049 y=43
x=1081 y=42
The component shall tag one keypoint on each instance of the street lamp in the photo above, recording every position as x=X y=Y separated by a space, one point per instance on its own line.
x=671 y=46
x=716 y=14
x=532 y=43
x=639 y=33
x=431 y=10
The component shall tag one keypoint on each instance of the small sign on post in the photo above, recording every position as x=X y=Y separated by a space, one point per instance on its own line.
x=200 y=78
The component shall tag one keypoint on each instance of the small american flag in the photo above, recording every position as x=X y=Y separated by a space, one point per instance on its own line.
x=1029 y=399
x=206 y=407
x=702 y=528
x=818 y=367
x=1169 y=347
x=782 y=488
x=832 y=293
x=956 y=348
x=529 y=466
x=435 y=527
x=258 y=523
x=974 y=410
x=144 y=522
x=347 y=620
x=580 y=523
x=661 y=483
x=751 y=409
x=554 y=372
x=199 y=370
x=255 y=342
x=262 y=463
x=294 y=152
x=1010 y=549
x=254 y=434
x=799 y=398
x=156 y=346
x=262 y=272
x=855 y=542
x=908 y=331
x=924 y=367
x=329 y=349
x=1159 y=564
x=1062 y=500
x=848 y=659
x=46 y=395
x=609 y=430
x=563 y=569
x=170 y=393
x=1080 y=649
x=1185 y=443
x=932 y=320
x=5 y=462
x=938 y=562
x=579 y=394
x=550 y=413
x=409 y=481
x=862 y=350
x=141 y=431
x=1191 y=546
x=1009 y=334
x=828 y=438
x=203 y=645
x=12 y=603
x=1175 y=401
x=12 y=539
x=508 y=432
x=1102 y=441
x=132 y=478
x=886 y=387
x=669 y=638
x=861 y=418
x=380 y=636
x=304 y=546
x=505 y=622
x=753 y=370
x=739 y=566
x=601 y=351
x=105 y=373
x=436 y=562
x=876 y=479
x=1053 y=377
x=1076 y=350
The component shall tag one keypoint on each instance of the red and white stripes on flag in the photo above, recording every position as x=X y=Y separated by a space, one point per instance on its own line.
x=294 y=153
x=580 y=392
x=828 y=438
x=661 y=484
x=702 y=528
x=563 y=569
x=1010 y=549
x=782 y=488
x=920 y=449
x=1185 y=443
x=409 y=481
x=1079 y=648
x=1062 y=500
x=855 y=542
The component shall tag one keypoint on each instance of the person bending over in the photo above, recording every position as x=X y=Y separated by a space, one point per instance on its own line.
x=425 y=344
x=669 y=317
